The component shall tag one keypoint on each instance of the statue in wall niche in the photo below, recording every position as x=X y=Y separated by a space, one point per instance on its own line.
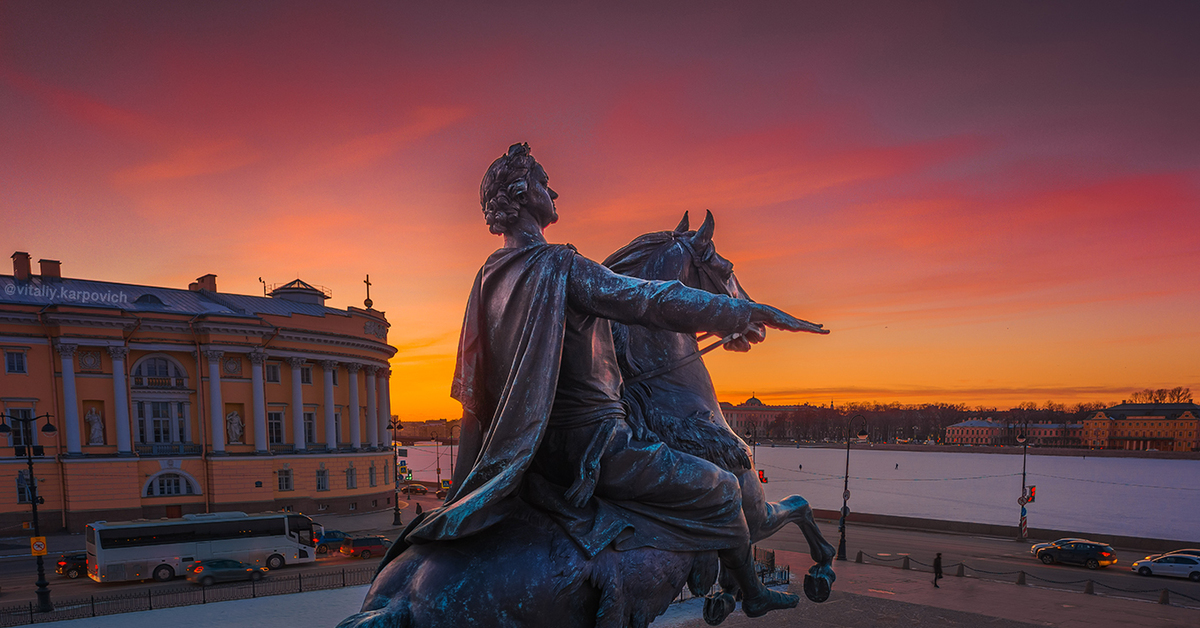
x=599 y=476
x=235 y=428
x=95 y=424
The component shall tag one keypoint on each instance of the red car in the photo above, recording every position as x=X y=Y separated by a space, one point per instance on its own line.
x=365 y=547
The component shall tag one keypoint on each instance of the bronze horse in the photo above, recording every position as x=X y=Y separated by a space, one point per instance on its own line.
x=526 y=572
x=669 y=391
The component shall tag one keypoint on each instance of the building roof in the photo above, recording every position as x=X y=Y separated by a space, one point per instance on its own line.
x=978 y=423
x=136 y=298
x=1165 y=410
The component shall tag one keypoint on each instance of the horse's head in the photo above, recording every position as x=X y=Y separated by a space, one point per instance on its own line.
x=687 y=256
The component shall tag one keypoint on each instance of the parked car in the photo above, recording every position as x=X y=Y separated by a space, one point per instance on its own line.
x=330 y=541
x=414 y=489
x=365 y=546
x=1087 y=553
x=1037 y=547
x=1178 y=565
x=209 y=572
x=72 y=564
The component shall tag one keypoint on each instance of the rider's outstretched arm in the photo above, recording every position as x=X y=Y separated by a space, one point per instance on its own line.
x=596 y=290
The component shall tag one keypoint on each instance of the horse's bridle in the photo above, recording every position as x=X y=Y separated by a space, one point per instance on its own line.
x=701 y=266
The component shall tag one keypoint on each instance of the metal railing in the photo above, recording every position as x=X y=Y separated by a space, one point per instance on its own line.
x=167 y=449
x=185 y=595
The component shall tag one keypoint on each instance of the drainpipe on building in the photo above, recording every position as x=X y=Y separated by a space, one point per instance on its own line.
x=62 y=475
x=202 y=413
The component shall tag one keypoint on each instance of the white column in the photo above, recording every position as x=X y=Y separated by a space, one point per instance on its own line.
x=353 y=412
x=297 y=405
x=329 y=366
x=261 y=439
x=372 y=408
x=120 y=393
x=216 y=413
x=385 y=406
x=71 y=418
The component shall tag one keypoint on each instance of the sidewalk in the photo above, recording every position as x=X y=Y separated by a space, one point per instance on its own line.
x=875 y=595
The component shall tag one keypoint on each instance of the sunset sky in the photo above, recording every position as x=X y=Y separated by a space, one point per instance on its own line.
x=987 y=203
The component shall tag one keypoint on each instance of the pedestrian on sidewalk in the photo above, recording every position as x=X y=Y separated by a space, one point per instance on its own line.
x=937 y=570
x=419 y=510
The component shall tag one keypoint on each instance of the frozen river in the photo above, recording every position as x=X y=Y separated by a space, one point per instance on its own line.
x=1125 y=496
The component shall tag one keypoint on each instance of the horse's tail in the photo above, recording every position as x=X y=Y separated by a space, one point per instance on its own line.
x=700 y=436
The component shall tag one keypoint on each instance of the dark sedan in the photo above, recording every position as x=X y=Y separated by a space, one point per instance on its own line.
x=72 y=564
x=209 y=572
x=1086 y=553
x=414 y=489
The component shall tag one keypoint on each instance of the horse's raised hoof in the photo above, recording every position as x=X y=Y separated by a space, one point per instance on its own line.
x=818 y=583
x=718 y=607
x=769 y=601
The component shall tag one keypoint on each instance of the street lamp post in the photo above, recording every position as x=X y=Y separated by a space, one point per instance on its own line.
x=437 y=453
x=395 y=426
x=43 y=593
x=753 y=444
x=1023 y=439
x=862 y=436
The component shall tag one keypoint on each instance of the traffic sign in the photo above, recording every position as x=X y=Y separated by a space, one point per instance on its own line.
x=446 y=484
x=846 y=495
x=37 y=545
x=1022 y=501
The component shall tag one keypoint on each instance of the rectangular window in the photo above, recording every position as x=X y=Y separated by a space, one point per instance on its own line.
x=351 y=478
x=168 y=484
x=180 y=413
x=337 y=428
x=24 y=494
x=310 y=427
x=371 y=476
x=285 y=479
x=272 y=373
x=322 y=480
x=14 y=361
x=22 y=431
x=306 y=375
x=335 y=378
x=160 y=422
x=275 y=427
x=353 y=505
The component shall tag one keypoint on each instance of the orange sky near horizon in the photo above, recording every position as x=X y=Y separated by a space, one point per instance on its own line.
x=986 y=204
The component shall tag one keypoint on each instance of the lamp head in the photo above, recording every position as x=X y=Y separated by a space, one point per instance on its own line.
x=862 y=435
x=1021 y=438
x=48 y=429
x=5 y=429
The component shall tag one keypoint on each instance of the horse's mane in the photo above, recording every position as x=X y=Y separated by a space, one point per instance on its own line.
x=633 y=257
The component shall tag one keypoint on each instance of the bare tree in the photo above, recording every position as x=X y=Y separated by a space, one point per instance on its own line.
x=1179 y=394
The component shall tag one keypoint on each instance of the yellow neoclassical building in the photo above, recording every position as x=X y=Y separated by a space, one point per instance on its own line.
x=168 y=401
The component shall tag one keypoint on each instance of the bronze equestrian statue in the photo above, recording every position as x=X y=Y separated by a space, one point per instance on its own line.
x=569 y=510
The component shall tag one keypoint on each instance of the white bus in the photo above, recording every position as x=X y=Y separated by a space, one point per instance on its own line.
x=162 y=549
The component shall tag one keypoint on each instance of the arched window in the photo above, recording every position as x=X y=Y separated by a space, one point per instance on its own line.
x=159 y=371
x=169 y=483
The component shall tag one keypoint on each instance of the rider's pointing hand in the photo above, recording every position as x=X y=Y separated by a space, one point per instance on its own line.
x=773 y=317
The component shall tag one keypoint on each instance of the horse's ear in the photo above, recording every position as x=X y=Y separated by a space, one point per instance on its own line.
x=705 y=232
x=682 y=227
